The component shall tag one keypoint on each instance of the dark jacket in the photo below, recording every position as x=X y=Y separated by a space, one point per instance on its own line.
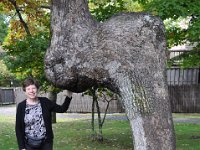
x=47 y=107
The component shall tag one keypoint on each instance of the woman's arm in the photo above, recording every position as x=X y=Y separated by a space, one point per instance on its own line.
x=63 y=108
x=67 y=93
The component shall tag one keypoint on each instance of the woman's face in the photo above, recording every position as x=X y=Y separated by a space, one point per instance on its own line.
x=31 y=91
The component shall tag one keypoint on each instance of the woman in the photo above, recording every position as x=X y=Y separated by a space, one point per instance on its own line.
x=33 y=118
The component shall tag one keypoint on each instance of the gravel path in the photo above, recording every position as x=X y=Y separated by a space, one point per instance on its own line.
x=10 y=110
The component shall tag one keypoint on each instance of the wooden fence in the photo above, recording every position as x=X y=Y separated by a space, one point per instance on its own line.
x=184 y=89
x=184 y=86
x=185 y=98
x=84 y=104
x=7 y=96
x=80 y=103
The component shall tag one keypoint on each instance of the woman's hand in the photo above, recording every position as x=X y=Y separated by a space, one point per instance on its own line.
x=67 y=93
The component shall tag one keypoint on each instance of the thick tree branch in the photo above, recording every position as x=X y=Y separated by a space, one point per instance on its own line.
x=13 y=2
x=45 y=7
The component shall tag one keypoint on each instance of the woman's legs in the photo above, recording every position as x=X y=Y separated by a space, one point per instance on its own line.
x=45 y=146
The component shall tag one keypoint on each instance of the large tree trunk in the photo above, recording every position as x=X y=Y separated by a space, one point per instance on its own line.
x=149 y=112
x=125 y=54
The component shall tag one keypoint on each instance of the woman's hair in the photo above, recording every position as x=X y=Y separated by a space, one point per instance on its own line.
x=30 y=81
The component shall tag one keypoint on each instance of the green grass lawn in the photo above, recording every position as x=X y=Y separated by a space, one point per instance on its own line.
x=76 y=135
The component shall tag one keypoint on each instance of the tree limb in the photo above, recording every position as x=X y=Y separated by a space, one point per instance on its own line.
x=13 y=2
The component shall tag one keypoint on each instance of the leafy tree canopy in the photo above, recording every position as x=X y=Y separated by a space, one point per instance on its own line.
x=5 y=76
x=26 y=18
x=28 y=57
x=3 y=27
x=27 y=39
x=182 y=20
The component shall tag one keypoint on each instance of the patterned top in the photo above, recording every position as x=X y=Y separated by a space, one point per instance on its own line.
x=34 y=122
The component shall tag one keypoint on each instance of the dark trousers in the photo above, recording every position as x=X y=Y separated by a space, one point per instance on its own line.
x=45 y=146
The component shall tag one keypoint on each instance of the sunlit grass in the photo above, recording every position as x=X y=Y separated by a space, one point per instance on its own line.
x=187 y=136
x=75 y=134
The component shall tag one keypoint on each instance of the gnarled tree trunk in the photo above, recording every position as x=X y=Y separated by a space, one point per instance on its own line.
x=125 y=54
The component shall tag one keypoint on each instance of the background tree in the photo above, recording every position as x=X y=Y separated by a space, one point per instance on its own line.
x=102 y=10
x=99 y=94
x=27 y=40
x=5 y=76
x=3 y=27
x=27 y=37
x=182 y=21
x=27 y=55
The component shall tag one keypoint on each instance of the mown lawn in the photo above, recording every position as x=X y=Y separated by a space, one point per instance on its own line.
x=76 y=135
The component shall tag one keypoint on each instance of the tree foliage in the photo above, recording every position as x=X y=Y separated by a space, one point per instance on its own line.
x=28 y=37
x=102 y=10
x=28 y=56
x=3 y=27
x=99 y=94
x=182 y=20
x=6 y=77
x=26 y=17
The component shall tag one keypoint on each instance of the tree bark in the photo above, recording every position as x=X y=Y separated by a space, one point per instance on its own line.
x=126 y=54
x=93 y=112
x=53 y=97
